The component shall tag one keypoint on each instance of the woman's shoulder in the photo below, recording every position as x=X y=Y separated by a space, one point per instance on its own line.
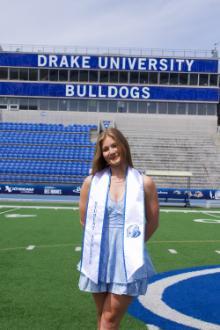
x=86 y=184
x=85 y=187
x=87 y=181
x=148 y=183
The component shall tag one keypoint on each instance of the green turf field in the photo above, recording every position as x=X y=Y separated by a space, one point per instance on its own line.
x=39 y=254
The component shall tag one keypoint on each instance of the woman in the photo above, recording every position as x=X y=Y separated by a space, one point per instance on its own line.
x=115 y=202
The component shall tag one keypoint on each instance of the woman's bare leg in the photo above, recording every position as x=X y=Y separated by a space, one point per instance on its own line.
x=99 y=301
x=113 y=310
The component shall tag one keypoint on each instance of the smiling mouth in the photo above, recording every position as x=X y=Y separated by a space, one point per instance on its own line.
x=114 y=157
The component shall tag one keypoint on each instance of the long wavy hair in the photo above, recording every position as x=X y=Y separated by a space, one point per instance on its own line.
x=99 y=162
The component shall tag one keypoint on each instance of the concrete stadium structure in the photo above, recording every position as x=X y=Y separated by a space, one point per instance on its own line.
x=166 y=102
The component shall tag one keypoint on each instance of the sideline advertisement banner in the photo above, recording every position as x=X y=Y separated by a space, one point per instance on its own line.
x=55 y=190
x=164 y=194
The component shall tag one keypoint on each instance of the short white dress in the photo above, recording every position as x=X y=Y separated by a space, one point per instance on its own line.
x=112 y=274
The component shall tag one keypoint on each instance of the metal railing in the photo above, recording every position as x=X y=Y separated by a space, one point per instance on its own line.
x=200 y=53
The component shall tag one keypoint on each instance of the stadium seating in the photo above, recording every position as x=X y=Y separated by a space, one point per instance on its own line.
x=158 y=142
x=45 y=153
x=176 y=143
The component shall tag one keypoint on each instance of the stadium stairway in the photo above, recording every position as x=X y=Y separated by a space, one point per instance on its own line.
x=176 y=145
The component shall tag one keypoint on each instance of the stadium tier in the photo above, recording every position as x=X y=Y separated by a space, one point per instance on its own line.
x=148 y=81
x=176 y=143
x=45 y=153
x=166 y=103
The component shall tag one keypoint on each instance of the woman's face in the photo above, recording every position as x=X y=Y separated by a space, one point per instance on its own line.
x=112 y=152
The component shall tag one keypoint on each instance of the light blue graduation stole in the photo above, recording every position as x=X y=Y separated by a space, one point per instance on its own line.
x=134 y=223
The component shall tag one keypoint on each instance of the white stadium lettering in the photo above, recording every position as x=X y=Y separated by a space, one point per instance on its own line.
x=171 y=64
x=123 y=62
x=115 y=63
x=112 y=91
x=123 y=92
x=69 y=90
x=99 y=91
x=100 y=94
x=64 y=62
x=131 y=62
x=81 y=90
x=74 y=62
x=145 y=92
x=152 y=64
x=142 y=64
x=53 y=61
x=189 y=64
x=163 y=64
x=135 y=94
x=91 y=93
x=180 y=62
x=102 y=62
x=41 y=60
x=85 y=62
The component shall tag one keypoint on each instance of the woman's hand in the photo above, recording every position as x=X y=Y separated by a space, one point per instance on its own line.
x=84 y=192
x=151 y=207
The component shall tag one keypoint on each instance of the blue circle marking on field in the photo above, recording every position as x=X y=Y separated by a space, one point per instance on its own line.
x=185 y=299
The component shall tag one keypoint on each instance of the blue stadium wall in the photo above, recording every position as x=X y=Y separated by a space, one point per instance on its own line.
x=57 y=90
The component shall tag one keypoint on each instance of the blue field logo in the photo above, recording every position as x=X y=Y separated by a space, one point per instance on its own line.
x=186 y=299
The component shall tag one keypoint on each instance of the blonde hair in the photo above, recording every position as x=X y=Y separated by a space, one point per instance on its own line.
x=99 y=162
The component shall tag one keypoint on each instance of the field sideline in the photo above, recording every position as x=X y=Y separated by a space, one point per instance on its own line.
x=40 y=248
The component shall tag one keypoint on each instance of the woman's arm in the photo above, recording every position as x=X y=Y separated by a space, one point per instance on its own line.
x=151 y=207
x=83 y=198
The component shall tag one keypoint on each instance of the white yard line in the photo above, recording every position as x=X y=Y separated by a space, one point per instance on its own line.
x=30 y=247
x=76 y=246
x=40 y=207
x=187 y=211
x=172 y=251
x=76 y=208
x=213 y=215
x=7 y=211
x=189 y=241
x=13 y=248
x=40 y=246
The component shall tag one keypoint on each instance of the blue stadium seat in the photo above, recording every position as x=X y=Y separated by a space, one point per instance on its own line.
x=32 y=152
